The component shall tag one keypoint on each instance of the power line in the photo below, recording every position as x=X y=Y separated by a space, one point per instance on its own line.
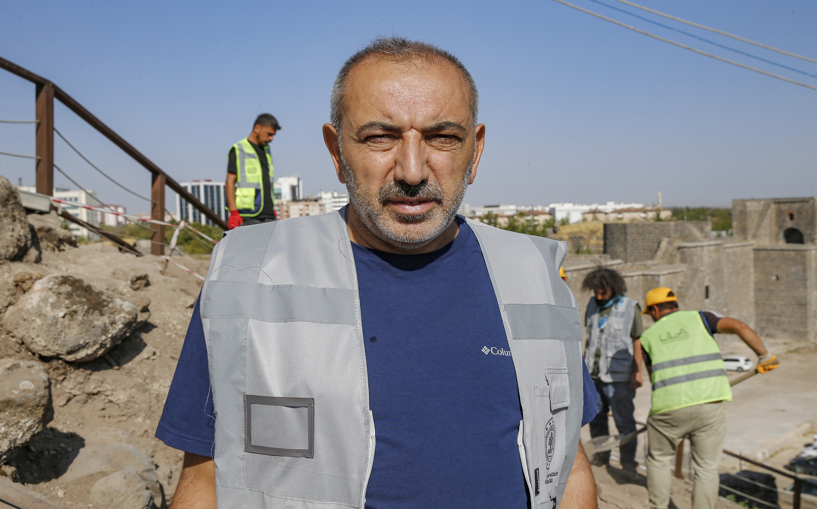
x=696 y=25
x=19 y=121
x=100 y=171
x=686 y=47
x=708 y=41
x=18 y=155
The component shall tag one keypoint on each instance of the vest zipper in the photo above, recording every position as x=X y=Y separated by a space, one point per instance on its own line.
x=372 y=443
x=523 y=457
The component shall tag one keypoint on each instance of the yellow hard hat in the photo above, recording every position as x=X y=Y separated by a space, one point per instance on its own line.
x=562 y=273
x=659 y=295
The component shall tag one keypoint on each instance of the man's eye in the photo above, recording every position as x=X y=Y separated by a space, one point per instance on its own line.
x=444 y=139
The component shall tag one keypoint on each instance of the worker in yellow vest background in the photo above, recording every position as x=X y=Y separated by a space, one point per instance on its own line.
x=689 y=386
x=249 y=188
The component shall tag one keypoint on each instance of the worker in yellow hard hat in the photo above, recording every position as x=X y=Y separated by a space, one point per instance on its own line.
x=562 y=273
x=689 y=386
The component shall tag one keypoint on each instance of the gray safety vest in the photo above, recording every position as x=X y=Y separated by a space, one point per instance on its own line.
x=616 y=360
x=281 y=317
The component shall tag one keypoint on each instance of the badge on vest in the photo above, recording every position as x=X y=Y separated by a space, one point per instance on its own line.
x=550 y=442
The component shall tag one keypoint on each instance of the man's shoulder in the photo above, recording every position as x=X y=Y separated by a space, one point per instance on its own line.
x=484 y=228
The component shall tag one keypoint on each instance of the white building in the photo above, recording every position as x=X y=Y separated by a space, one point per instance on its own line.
x=572 y=212
x=333 y=201
x=288 y=188
x=112 y=219
x=210 y=193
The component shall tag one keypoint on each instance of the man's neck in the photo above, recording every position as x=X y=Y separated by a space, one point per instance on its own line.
x=360 y=234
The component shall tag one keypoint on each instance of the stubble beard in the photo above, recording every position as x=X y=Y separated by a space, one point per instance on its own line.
x=403 y=230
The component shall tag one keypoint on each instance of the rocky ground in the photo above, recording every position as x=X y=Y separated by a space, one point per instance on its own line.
x=78 y=410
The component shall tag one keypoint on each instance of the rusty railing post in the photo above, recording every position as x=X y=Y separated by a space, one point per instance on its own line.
x=45 y=139
x=157 y=213
x=798 y=487
x=679 y=460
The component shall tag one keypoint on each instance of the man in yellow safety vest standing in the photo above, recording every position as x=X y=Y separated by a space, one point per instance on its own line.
x=689 y=385
x=249 y=175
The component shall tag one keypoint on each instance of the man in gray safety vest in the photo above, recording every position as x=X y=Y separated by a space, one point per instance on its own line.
x=613 y=356
x=391 y=354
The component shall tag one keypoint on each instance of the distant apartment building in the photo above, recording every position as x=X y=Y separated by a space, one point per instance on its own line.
x=208 y=192
x=307 y=207
x=288 y=188
x=333 y=201
x=572 y=212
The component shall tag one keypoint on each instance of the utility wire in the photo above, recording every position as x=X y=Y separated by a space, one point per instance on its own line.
x=100 y=171
x=19 y=121
x=755 y=69
x=696 y=25
x=708 y=41
x=18 y=155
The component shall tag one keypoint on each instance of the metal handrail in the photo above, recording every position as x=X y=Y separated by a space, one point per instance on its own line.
x=798 y=481
x=117 y=140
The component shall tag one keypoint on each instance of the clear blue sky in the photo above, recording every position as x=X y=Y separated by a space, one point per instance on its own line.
x=577 y=109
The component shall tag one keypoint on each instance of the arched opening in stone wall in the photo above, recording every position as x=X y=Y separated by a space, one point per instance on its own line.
x=793 y=236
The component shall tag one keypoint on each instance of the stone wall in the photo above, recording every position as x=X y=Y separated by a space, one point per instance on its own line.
x=785 y=286
x=636 y=242
x=766 y=221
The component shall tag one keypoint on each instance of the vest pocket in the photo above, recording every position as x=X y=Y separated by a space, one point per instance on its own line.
x=245 y=198
x=279 y=426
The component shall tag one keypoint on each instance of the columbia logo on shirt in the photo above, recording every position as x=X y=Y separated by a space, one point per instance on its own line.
x=495 y=351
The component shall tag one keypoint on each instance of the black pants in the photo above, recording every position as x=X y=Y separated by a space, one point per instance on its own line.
x=249 y=221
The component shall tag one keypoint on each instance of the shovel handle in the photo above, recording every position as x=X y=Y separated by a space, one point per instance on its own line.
x=738 y=379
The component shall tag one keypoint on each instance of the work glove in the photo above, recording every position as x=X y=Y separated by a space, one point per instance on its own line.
x=766 y=363
x=235 y=220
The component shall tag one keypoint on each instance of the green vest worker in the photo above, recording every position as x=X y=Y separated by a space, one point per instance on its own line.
x=249 y=175
x=689 y=384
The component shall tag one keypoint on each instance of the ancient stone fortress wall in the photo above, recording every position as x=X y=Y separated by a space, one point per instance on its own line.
x=776 y=221
x=638 y=242
x=785 y=291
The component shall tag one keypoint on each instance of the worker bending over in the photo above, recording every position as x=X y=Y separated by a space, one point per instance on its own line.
x=689 y=385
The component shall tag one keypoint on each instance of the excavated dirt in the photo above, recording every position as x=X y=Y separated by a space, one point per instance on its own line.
x=93 y=402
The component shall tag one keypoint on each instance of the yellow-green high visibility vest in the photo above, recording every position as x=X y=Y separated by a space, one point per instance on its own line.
x=249 y=189
x=687 y=367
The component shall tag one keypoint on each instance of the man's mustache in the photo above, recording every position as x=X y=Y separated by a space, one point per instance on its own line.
x=401 y=190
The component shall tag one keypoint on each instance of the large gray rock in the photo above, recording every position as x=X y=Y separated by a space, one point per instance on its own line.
x=25 y=402
x=62 y=316
x=123 y=489
x=15 y=235
x=113 y=457
x=50 y=233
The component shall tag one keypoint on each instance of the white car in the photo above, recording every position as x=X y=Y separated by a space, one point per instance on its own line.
x=737 y=363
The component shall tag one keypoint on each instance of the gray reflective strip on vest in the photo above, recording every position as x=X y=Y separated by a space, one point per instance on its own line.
x=242 y=155
x=541 y=321
x=244 y=254
x=689 y=378
x=686 y=360
x=283 y=303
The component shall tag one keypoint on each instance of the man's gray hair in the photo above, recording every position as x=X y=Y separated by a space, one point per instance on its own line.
x=400 y=49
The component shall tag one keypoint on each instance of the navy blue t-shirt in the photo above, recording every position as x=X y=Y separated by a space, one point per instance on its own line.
x=446 y=413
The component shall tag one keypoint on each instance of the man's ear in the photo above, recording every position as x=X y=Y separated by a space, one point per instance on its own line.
x=330 y=138
x=480 y=139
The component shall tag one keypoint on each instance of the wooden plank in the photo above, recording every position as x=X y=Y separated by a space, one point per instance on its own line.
x=113 y=238
x=17 y=496
x=45 y=139
x=157 y=213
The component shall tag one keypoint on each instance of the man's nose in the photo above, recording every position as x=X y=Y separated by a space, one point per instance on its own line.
x=411 y=165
